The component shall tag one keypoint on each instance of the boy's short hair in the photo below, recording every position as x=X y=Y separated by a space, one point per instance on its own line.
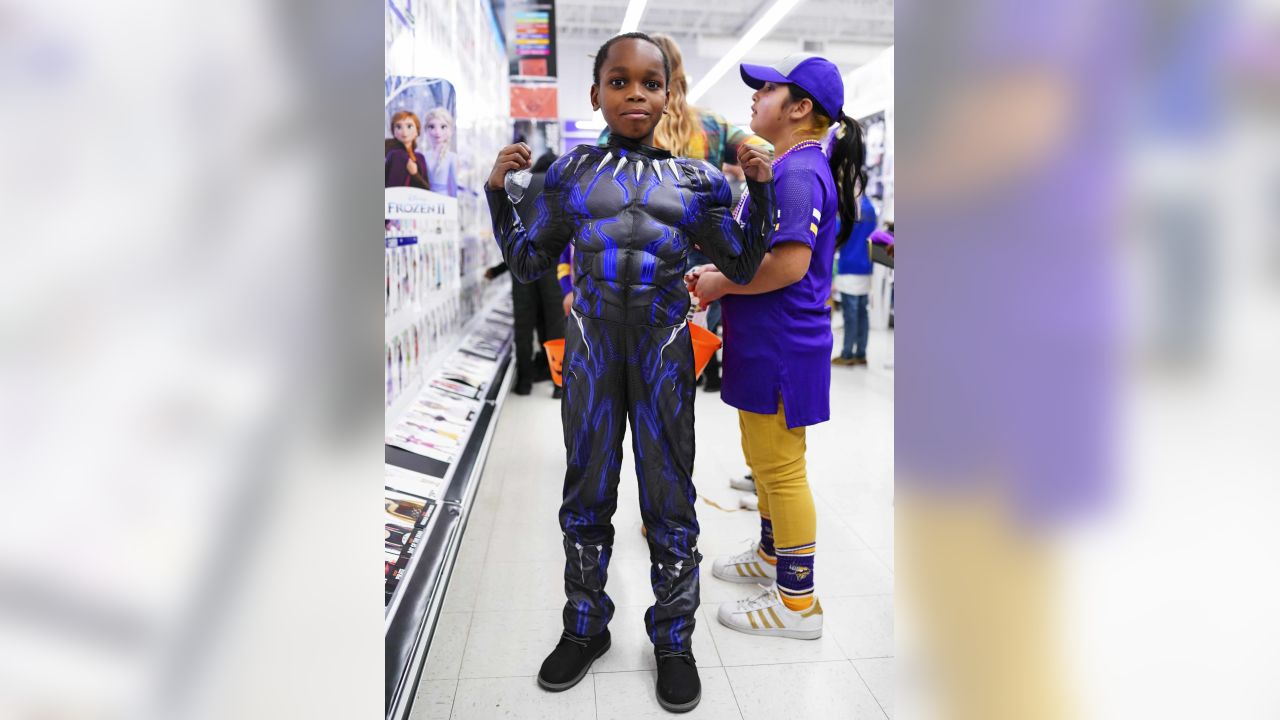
x=604 y=52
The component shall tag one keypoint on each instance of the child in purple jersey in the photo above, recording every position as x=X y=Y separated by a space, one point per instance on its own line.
x=777 y=347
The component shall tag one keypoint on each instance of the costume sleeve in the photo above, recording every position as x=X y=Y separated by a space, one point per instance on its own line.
x=564 y=271
x=735 y=249
x=530 y=252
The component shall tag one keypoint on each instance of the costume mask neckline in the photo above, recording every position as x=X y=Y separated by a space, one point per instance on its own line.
x=636 y=147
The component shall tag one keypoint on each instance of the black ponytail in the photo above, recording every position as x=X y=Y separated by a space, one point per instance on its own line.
x=848 y=156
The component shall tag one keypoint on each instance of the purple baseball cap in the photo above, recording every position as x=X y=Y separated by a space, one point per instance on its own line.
x=815 y=75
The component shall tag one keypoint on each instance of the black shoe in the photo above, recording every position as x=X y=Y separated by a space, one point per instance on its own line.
x=679 y=689
x=570 y=661
x=557 y=392
x=522 y=384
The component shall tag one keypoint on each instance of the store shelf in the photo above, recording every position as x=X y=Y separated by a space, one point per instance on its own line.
x=415 y=607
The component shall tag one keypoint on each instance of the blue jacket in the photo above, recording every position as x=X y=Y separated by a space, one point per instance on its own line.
x=855 y=254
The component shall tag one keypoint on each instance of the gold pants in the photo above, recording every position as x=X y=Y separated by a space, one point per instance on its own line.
x=775 y=454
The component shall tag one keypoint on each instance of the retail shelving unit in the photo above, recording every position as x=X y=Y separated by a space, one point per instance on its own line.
x=459 y=45
x=414 y=607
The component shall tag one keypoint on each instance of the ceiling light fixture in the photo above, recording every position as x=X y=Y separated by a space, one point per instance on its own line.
x=635 y=11
x=763 y=26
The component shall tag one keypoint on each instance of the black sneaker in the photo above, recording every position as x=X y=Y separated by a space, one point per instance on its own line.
x=522 y=388
x=557 y=392
x=679 y=689
x=570 y=661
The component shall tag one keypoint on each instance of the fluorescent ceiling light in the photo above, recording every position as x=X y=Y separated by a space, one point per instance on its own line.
x=635 y=11
x=763 y=26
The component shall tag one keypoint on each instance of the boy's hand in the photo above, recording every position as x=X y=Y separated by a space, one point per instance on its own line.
x=567 y=303
x=755 y=163
x=511 y=157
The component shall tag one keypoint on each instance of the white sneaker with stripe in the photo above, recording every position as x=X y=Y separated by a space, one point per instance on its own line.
x=746 y=483
x=745 y=567
x=765 y=614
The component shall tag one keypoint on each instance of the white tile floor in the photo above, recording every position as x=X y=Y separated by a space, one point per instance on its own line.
x=502 y=612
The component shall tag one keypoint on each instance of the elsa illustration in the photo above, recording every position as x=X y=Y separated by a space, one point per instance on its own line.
x=442 y=161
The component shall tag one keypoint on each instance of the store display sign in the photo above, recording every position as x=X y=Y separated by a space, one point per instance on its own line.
x=535 y=39
x=534 y=102
x=414 y=203
x=420 y=134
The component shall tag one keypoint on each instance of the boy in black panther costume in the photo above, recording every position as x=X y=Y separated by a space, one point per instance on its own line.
x=633 y=212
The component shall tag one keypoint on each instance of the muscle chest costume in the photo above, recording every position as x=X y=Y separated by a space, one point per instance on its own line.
x=632 y=213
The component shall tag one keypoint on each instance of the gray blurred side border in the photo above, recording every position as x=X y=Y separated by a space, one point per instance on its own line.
x=1087 y=289
x=190 y=424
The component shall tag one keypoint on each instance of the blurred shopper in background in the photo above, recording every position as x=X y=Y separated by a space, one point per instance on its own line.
x=853 y=283
x=537 y=305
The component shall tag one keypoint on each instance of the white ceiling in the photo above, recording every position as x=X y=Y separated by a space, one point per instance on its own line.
x=846 y=21
x=848 y=32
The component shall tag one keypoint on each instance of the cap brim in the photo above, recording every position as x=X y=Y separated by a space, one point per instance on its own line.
x=756 y=76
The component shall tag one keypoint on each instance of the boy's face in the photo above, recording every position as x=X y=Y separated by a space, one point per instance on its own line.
x=631 y=90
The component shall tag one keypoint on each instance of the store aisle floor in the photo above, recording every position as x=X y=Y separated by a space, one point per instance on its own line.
x=502 y=611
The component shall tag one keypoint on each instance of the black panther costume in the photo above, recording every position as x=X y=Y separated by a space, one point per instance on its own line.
x=633 y=213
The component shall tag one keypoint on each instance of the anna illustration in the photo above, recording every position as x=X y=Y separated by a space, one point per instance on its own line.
x=405 y=166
